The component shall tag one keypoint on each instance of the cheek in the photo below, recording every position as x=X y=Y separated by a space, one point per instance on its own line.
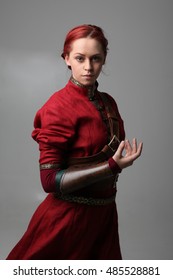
x=76 y=67
x=98 y=68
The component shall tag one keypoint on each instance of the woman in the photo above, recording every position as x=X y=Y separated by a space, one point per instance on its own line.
x=81 y=141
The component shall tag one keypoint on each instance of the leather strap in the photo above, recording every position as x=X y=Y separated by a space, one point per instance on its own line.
x=107 y=152
x=112 y=116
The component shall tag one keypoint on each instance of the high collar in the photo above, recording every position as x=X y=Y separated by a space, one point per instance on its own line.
x=87 y=90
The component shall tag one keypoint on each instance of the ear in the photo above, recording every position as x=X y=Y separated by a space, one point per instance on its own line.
x=67 y=60
x=104 y=61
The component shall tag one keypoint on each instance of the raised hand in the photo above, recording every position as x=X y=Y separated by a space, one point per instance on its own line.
x=131 y=153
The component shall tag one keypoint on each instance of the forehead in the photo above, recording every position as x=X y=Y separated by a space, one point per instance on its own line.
x=86 y=46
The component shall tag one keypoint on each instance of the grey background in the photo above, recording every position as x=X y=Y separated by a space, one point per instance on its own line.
x=138 y=74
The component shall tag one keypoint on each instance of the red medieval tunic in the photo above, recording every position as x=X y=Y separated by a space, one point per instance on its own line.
x=70 y=125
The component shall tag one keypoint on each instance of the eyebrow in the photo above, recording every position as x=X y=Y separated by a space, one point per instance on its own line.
x=84 y=54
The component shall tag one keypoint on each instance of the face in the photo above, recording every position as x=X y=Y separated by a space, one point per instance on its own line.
x=86 y=59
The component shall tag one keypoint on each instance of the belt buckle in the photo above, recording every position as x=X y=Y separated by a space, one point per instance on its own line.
x=112 y=141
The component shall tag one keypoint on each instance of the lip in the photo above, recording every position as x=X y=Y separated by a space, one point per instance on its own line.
x=88 y=76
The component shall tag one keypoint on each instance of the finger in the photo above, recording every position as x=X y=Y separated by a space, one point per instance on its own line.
x=128 y=148
x=134 y=145
x=138 y=152
x=120 y=148
x=140 y=147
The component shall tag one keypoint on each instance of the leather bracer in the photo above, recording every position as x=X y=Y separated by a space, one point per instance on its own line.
x=77 y=177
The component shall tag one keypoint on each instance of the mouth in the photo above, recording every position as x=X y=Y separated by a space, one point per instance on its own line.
x=88 y=76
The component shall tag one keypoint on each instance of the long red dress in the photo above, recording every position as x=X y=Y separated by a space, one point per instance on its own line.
x=69 y=125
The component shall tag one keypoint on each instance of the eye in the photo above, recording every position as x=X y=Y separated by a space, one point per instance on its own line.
x=96 y=58
x=80 y=58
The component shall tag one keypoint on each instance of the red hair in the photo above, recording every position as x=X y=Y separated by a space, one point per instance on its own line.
x=83 y=31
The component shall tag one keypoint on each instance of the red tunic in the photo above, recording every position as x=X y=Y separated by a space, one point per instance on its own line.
x=69 y=125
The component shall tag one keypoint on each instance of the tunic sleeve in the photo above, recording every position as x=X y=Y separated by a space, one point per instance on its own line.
x=54 y=132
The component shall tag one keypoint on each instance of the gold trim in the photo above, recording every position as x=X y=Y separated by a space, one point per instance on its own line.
x=49 y=166
x=74 y=81
x=86 y=200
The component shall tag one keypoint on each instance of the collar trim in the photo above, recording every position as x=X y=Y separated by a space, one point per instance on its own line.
x=90 y=89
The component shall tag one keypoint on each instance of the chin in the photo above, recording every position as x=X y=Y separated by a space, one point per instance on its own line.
x=88 y=82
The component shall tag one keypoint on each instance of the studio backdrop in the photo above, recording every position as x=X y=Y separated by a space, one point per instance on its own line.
x=138 y=74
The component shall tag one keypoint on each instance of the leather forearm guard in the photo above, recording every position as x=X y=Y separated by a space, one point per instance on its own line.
x=77 y=177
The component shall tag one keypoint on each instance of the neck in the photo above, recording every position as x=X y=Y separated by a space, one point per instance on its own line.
x=74 y=81
x=90 y=88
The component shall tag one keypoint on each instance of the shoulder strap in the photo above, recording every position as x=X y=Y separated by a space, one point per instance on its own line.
x=112 y=116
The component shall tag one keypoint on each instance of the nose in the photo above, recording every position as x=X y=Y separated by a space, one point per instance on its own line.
x=88 y=65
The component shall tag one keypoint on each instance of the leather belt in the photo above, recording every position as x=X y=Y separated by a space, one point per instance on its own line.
x=86 y=200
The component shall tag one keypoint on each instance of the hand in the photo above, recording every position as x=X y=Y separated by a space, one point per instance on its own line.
x=132 y=152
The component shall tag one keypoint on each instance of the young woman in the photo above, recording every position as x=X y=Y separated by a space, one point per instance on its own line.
x=82 y=150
